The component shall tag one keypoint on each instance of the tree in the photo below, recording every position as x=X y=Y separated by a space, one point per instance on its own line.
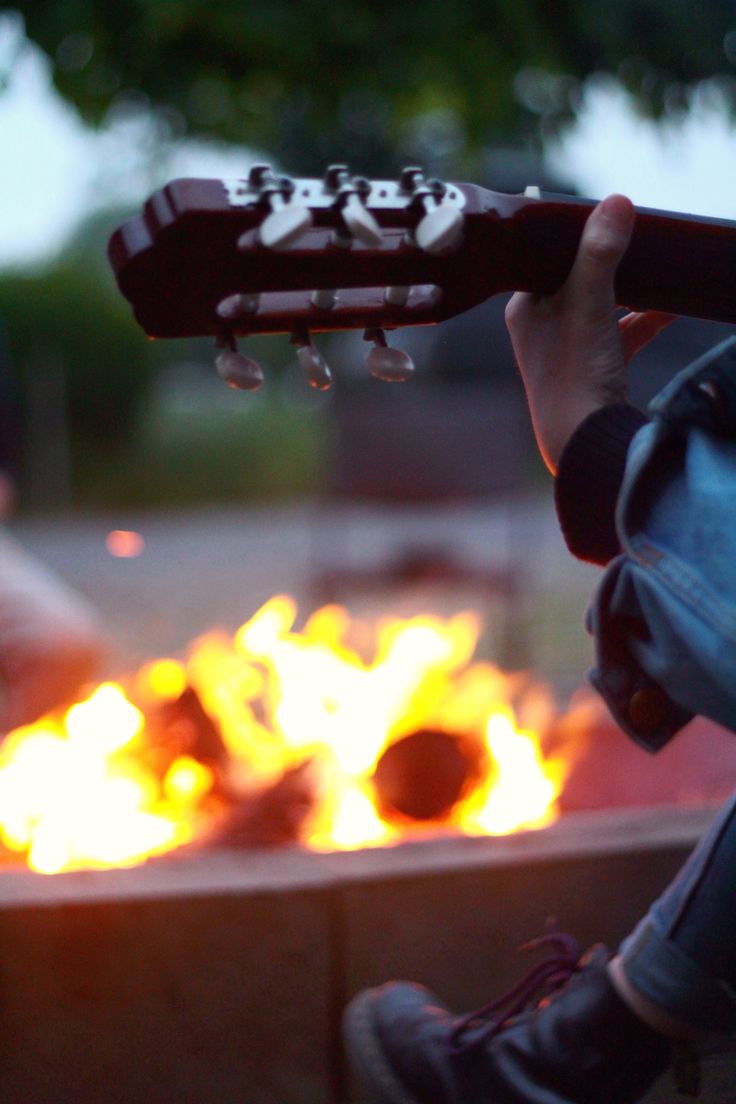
x=105 y=366
x=318 y=80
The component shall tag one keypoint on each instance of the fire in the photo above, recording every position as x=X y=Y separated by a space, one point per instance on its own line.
x=161 y=759
x=72 y=793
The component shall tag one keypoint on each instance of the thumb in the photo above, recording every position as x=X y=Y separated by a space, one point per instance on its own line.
x=604 y=241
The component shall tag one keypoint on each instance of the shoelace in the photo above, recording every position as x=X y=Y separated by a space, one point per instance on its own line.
x=541 y=981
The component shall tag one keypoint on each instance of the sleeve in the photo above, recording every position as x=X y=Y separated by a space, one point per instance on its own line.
x=664 y=616
x=589 y=479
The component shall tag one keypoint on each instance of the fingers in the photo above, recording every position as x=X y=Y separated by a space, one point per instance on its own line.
x=568 y=345
x=589 y=285
x=639 y=327
x=604 y=241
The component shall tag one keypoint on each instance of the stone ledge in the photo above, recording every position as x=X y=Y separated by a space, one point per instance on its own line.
x=221 y=977
x=286 y=869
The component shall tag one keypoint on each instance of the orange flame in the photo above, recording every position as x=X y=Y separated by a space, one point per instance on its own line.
x=79 y=790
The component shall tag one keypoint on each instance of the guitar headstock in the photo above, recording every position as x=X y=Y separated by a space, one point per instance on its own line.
x=271 y=254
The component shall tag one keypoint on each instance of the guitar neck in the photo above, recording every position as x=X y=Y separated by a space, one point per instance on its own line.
x=676 y=263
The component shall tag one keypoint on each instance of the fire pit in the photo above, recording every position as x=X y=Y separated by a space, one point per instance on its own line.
x=220 y=977
x=217 y=970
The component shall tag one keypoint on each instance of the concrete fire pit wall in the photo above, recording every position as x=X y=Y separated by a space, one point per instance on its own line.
x=221 y=977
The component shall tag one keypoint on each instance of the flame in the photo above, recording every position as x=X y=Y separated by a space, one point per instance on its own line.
x=73 y=793
x=522 y=790
x=89 y=787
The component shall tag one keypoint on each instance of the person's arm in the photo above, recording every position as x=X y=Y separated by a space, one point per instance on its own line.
x=572 y=351
x=589 y=478
x=662 y=618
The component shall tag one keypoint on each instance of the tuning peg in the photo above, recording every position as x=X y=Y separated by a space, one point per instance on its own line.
x=440 y=229
x=238 y=371
x=287 y=220
x=286 y=223
x=385 y=363
x=350 y=195
x=360 y=222
x=312 y=363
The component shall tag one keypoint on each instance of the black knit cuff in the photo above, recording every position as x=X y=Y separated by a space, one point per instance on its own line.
x=589 y=479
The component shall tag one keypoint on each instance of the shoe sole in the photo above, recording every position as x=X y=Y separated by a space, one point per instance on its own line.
x=366 y=1055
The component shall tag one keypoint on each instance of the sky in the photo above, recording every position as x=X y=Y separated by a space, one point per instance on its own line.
x=54 y=169
x=687 y=166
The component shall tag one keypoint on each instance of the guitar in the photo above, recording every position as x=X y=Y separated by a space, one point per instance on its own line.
x=271 y=254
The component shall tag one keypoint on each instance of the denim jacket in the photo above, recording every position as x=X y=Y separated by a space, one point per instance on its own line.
x=664 y=616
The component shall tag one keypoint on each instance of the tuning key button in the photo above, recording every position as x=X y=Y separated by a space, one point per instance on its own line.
x=287 y=220
x=285 y=225
x=385 y=363
x=237 y=306
x=390 y=365
x=440 y=229
x=312 y=363
x=350 y=195
x=360 y=223
x=238 y=371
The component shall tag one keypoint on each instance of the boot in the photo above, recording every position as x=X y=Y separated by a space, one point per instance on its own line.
x=578 y=1044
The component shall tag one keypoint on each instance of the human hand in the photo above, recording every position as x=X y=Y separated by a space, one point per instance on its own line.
x=571 y=348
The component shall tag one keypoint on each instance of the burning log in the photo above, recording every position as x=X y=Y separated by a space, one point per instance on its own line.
x=182 y=727
x=422 y=776
x=273 y=816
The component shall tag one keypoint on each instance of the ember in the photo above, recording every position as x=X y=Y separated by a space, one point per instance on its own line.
x=124 y=543
x=338 y=736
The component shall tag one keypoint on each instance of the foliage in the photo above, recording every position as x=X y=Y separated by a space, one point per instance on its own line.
x=314 y=80
x=63 y=320
x=247 y=448
x=308 y=81
x=131 y=442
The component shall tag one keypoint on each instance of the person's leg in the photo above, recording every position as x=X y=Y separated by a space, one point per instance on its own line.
x=604 y=1035
x=579 y=1045
x=681 y=958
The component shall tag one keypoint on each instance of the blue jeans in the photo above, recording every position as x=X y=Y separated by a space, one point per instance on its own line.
x=682 y=955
